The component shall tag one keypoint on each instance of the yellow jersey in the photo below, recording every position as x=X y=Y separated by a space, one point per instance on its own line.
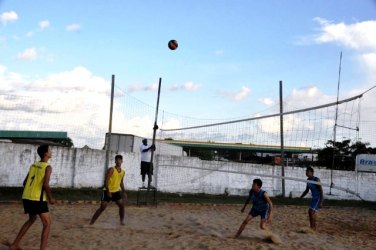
x=115 y=180
x=33 y=189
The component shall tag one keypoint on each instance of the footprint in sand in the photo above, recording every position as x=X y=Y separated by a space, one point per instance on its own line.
x=216 y=234
x=103 y=225
x=305 y=230
x=271 y=237
x=173 y=235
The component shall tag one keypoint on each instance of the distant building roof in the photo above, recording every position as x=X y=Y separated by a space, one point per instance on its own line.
x=34 y=137
x=237 y=146
x=6 y=134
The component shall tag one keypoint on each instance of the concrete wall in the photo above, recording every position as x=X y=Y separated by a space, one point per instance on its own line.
x=179 y=174
x=73 y=167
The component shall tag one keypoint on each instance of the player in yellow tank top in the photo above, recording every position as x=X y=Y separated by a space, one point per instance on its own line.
x=114 y=183
x=35 y=195
x=113 y=190
x=33 y=189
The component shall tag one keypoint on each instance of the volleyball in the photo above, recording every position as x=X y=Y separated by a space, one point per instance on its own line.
x=172 y=44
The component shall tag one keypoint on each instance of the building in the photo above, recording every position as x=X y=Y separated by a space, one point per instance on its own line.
x=127 y=143
x=55 y=138
x=236 y=151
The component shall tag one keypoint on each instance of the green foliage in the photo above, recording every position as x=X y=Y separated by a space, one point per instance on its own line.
x=344 y=154
x=65 y=142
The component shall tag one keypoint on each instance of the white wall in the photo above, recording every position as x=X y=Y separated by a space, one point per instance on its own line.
x=175 y=174
x=73 y=167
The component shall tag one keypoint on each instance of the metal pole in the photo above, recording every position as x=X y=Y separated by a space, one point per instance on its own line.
x=155 y=127
x=156 y=114
x=108 y=144
x=335 y=127
x=282 y=143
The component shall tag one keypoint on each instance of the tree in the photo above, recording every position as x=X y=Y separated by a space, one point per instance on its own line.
x=65 y=142
x=344 y=154
x=360 y=148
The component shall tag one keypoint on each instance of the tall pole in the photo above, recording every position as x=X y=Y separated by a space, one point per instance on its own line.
x=335 y=126
x=108 y=144
x=282 y=142
x=155 y=127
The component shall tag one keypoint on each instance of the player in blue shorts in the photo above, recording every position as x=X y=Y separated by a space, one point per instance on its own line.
x=261 y=205
x=317 y=197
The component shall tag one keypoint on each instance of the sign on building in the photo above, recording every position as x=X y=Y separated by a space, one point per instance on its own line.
x=365 y=163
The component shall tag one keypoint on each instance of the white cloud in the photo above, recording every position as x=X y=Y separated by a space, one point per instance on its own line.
x=11 y=82
x=267 y=101
x=369 y=59
x=360 y=35
x=75 y=101
x=189 y=86
x=139 y=125
x=369 y=62
x=78 y=79
x=29 y=34
x=29 y=54
x=305 y=128
x=8 y=16
x=171 y=123
x=290 y=122
x=139 y=87
x=2 y=69
x=44 y=24
x=242 y=94
x=236 y=96
x=73 y=27
x=306 y=97
x=319 y=123
x=219 y=52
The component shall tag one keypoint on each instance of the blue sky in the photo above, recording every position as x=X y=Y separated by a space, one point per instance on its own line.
x=230 y=59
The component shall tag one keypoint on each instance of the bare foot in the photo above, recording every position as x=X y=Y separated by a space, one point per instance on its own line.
x=11 y=247
x=14 y=248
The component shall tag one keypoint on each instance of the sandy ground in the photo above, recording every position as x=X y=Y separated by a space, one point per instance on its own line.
x=191 y=226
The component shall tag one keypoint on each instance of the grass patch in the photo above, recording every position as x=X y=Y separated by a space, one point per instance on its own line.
x=93 y=194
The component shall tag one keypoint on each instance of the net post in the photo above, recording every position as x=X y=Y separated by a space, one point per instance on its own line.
x=282 y=142
x=155 y=127
x=108 y=144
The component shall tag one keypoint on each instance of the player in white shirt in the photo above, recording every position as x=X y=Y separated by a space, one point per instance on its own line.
x=146 y=166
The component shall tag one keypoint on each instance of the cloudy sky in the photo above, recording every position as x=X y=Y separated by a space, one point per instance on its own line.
x=230 y=59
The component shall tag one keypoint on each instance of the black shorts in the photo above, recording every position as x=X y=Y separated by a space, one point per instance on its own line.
x=35 y=207
x=114 y=196
x=146 y=168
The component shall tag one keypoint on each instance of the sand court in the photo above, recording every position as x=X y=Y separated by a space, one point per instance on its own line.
x=192 y=226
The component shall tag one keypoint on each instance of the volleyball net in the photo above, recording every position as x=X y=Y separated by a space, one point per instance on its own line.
x=227 y=154
x=228 y=150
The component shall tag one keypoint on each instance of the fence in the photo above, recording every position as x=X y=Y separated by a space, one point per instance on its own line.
x=78 y=168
